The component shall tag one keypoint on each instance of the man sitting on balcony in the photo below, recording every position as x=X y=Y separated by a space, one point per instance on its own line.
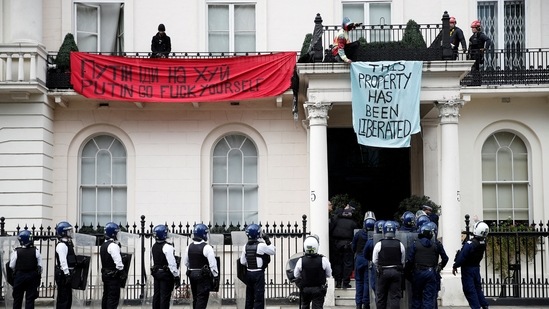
x=343 y=50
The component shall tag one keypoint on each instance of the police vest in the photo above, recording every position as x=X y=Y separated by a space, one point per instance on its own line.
x=159 y=258
x=106 y=259
x=26 y=259
x=251 y=256
x=426 y=256
x=390 y=254
x=312 y=273
x=71 y=256
x=197 y=259
x=476 y=254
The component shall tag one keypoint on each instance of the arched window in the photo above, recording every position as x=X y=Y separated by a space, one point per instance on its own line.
x=505 y=181
x=103 y=184
x=234 y=180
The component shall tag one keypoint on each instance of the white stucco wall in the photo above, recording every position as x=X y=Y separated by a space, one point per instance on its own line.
x=168 y=149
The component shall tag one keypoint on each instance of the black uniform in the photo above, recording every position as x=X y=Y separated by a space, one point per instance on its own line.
x=389 y=256
x=478 y=43
x=164 y=273
x=342 y=233
x=65 y=260
x=202 y=271
x=457 y=38
x=112 y=274
x=312 y=270
x=161 y=45
x=256 y=256
x=26 y=263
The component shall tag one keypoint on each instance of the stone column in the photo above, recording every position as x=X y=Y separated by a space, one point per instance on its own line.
x=23 y=21
x=317 y=116
x=450 y=220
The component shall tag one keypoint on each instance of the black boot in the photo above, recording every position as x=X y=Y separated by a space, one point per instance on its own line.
x=338 y=285
x=365 y=306
x=359 y=306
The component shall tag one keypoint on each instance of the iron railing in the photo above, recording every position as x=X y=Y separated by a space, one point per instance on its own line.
x=287 y=238
x=514 y=268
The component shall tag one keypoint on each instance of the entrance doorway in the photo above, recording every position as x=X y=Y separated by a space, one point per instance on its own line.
x=377 y=178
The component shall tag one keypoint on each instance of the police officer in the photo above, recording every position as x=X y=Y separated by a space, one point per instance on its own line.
x=65 y=260
x=423 y=258
x=389 y=256
x=164 y=270
x=421 y=220
x=433 y=217
x=312 y=270
x=26 y=263
x=201 y=267
x=256 y=256
x=468 y=258
x=408 y=219
x=112 y=268
x=362 y=291
x=342 y=232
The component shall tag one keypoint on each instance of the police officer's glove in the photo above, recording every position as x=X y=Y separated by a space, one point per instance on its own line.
x=177 y=282
x=267 y=240
x=439 y=268
x=454 y=271
x=39 y=270
x=215 y=284
x=68 y=279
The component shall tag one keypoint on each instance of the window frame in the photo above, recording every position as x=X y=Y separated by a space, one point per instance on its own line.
x=99 y=187
x=497 y=184
x=119 y=33
x=232 y=32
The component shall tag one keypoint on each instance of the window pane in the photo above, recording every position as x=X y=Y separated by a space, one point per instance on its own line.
x=250 y=217
x=355 y=11
x=88 y=171
x=249 y=149
x=235 y=141
x=104 y=168
x=250 y=198
x=250 y=170
x=88 y=202
x=104 y=200
x=220 y=169
x=221 y=148
x=380 y=13
x=119 y=200
x=117 y=149
x=89 y=150
x=521 y=197
x=219 y=200
x=244 y=42
x=505 y=197
x=119 y=170
x=489 y=196
x=235 y=166
x=235 y=199
x=521 y=167
x=104 y=141
x=218 y=28
x=244 y=18
x=504 y=167
x=489 y=167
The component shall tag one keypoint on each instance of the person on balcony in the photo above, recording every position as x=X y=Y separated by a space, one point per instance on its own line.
x=468 y=258
x=161 y=44
x=456 y=38
x=26 y=263
x=479 y=42
x=343 y=50
x=65 y=260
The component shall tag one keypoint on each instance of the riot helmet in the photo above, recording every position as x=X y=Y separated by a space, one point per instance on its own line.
x=378 y=228
x=63 y=229
x=434 y=227
x=421 y=220
x=426 y=231
x=200 y=231
x=369 y=224
x=253 y=231
x=408 y=219
x=160 y=232
x=389 y=229
x=369 y=215
x=25 y=238
x=111 y=230
x=481 y=229
x=311 y=244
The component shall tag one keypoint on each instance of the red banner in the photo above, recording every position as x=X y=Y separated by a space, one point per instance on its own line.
x=181 y=80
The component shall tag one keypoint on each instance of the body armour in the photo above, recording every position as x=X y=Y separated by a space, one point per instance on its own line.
x=390 y=254
x=26 y=259
x=159 y=258
x=312 y=273
x=106 y=259
x=197 y=259
x=426 y=256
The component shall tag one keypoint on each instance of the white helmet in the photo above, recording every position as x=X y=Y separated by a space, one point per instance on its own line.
x=310 y=245
x=481 y=229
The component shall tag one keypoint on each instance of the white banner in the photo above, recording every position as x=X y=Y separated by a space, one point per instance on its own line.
x=385 y=98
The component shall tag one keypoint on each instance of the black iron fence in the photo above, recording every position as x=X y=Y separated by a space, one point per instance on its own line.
x=515 y=263
x=287 y=238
